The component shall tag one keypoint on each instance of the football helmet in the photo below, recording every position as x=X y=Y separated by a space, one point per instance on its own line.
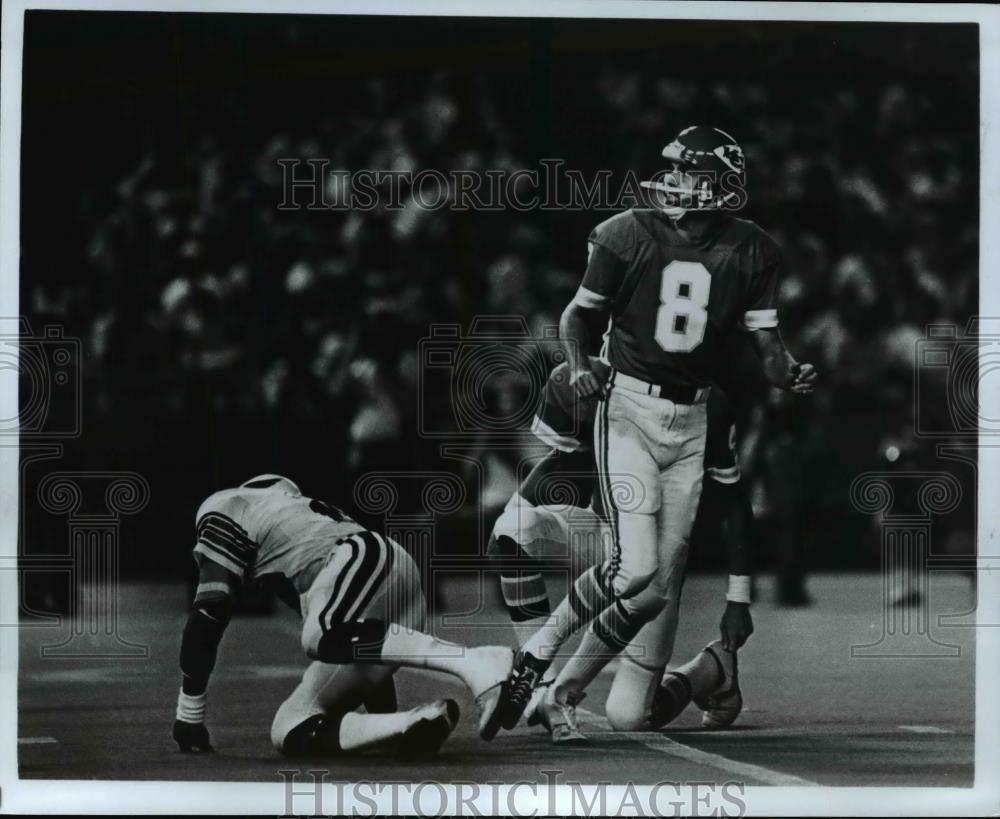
x=708 y=172
x=274 y=482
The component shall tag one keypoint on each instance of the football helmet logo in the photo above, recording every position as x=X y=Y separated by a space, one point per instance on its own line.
x=709 y=172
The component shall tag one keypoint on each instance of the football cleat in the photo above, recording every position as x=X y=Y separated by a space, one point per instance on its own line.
x=559 y=719
x=671 y=697
x=524 y=679
x=725 y=703
x=433 y=725
x=490 y=669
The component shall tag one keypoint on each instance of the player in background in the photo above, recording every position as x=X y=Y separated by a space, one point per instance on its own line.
x=672 y=282
x=363 y=615
x=531 y=530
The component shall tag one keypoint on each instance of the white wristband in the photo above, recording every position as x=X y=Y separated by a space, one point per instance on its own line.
x=739 y=588
x=191 y=709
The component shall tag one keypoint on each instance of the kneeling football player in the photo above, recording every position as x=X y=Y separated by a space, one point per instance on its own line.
x=363 y=615
x=532 y=529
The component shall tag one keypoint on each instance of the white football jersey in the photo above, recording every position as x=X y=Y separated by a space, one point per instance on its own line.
x=254 y=532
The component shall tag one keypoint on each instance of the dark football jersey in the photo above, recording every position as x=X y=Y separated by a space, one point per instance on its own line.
x=565 y=422
x=674 y=299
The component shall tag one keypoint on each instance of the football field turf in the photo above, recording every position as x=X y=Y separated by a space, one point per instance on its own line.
x=813 y=713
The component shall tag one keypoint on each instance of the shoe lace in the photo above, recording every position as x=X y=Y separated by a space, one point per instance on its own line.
x=522 y=687
x=568 y=709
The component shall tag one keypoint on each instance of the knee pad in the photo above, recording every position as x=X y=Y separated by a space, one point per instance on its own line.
x=646 y=604
x=359 y=641
x=628 y=705
x=318 y=735
x=515 y=525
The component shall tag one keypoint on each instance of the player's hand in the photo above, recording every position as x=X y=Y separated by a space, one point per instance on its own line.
x=736 y=626
x=802 y=378
x=585 y=383
x=192 y=737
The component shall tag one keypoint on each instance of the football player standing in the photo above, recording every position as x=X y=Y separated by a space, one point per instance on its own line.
x=672 y=282
x=362 y=609
x=538 y=525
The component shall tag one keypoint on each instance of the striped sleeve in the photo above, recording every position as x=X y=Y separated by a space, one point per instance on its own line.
x=222 y=540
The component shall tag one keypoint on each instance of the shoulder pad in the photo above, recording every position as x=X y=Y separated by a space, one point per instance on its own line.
x=618 y=234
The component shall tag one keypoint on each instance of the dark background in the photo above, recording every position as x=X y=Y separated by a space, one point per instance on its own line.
x=222 y=337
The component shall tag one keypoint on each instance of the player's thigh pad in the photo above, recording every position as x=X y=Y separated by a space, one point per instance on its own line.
x=368 y=577
x=629 y=473
x=631 y=694
x=680 y=487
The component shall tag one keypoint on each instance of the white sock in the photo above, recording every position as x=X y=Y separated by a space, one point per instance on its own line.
x=414 y=649
x=546 y=641
x=361 y=731
x=526 y=629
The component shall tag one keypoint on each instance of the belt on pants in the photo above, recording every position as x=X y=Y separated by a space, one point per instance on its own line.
x=672 y=392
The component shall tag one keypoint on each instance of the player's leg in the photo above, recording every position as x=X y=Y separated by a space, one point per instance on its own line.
x=634 y=702
x=630 y=490
x=319 y=718
x=523 y=534
x=367 y=607
x=629 y=479
x=586 y=539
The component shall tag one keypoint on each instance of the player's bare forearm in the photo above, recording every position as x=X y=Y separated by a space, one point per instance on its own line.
x=779 y=365
x=732 y=505
x=574 y=334
x=199 y=645
x=736 y=518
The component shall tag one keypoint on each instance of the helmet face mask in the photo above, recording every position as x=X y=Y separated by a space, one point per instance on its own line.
x=273 y=483
x=707 y=172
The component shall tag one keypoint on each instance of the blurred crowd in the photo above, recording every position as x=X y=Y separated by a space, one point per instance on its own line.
x=225 y=337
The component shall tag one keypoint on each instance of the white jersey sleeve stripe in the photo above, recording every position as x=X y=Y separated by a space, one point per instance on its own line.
x=217 y=556
x=544 y=433
x=728 y=474
x=590 y=299
x=760 y=319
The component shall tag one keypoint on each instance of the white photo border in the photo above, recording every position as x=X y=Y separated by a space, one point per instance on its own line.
x=42 y=796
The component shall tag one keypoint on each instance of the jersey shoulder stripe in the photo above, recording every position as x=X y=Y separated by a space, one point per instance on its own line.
x=221 y=534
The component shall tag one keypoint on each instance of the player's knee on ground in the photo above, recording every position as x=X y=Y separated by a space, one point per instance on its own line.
x=627 y=708
x=318 y=735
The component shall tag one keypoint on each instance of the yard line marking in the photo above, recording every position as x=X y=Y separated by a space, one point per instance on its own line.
x=37 y=741
x=665 y=745
x=926 y=729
